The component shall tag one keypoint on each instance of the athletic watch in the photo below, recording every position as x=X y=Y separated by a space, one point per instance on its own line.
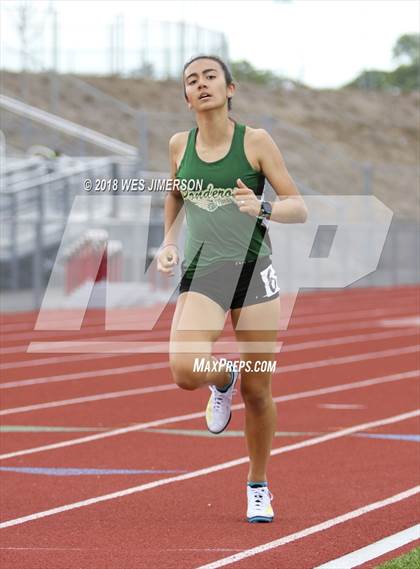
x=265 y=211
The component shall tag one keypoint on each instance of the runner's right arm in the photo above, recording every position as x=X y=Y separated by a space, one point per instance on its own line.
x=169 y=255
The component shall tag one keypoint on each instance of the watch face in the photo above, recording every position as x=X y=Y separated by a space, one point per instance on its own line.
x=266 y=209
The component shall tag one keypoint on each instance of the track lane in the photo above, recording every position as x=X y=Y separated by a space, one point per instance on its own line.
x=301 y=501
x=302 y=415
x=290 y=379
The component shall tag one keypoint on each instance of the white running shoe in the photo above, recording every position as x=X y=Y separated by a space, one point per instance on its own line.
x=218 y=412
x=259 y=505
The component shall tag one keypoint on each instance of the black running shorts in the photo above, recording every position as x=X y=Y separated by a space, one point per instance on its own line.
x=235 y=284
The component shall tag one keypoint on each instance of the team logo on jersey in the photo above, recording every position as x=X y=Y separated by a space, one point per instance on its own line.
x=210 y=198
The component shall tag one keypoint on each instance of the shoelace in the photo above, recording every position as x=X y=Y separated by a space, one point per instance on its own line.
x=260 y=496
x=219 y=398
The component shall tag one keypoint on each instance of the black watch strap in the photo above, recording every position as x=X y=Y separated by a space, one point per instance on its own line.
x=265 y=211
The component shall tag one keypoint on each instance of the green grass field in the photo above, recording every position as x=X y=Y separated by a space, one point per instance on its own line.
x=410 y=560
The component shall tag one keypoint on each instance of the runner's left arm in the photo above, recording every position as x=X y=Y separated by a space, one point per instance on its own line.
x=290 y=206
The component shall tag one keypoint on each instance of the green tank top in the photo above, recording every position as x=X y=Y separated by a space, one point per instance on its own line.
x=216 y=230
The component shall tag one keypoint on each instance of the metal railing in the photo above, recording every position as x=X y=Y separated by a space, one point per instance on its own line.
x=34 y=214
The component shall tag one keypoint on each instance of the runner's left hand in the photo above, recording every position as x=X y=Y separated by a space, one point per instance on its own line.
x=246 y=200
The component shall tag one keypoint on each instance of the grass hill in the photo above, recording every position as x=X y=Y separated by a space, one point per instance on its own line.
x=326 y=136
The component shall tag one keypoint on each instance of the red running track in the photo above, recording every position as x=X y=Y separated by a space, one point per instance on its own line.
x=349 y=359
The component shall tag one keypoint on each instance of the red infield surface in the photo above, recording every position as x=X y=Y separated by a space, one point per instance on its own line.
x=106 y=464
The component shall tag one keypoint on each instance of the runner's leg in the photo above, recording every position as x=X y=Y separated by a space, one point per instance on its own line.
x=260 y=410
x=197 y=318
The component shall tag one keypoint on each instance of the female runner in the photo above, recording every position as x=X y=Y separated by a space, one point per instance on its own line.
x=227 y=265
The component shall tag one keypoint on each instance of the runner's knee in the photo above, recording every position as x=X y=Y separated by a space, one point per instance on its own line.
x=183 y=373
x=255 y=396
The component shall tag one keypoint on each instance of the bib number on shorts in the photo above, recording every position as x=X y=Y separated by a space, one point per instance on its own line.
x=269 y=279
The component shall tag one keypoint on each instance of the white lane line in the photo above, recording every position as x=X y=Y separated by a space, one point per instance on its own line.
x=313 y=529
x=76 y=358
x=304 y=300
x=124 y=347
x=56 y=360
x=90 y=398
x=22 y=348
x=211 y=469
x=149 y=549
x=52 y=548
x=94 y=325
x=349 y=359
x=374 y=550
x=409 y=321
x=52 y=361
x=413 y=374
x=81 y=334
x=113 y=433
x=342 y=340
x=85 y=375
x=340 y=406
x=226 y=343
x=296 y=320
x=29 y=329
x=165 y=364
x=382 y=335
x=171 y=386
x=284 y=335
x=221 y=346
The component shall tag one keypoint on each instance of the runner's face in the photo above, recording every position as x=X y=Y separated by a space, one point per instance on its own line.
x=205 y=85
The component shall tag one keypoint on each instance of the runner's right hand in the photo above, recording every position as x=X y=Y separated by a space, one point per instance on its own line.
x=167 y=258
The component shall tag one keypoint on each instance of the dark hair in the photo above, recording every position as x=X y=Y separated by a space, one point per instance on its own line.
x=226 y=71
